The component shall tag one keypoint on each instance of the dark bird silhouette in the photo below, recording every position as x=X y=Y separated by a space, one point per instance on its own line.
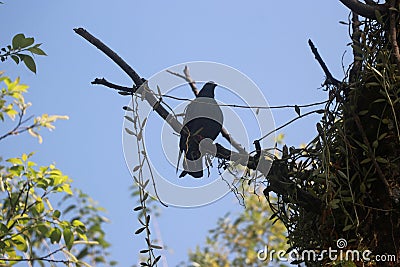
x=203 y=121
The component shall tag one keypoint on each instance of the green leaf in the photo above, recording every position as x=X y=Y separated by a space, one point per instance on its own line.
x=17 y=40
x=365 y=161
x=129 y=119
x=39 y=205
x=78 y=223
x=342 y=174
x=56 y=214
x=138 y=208
x=127 y=108
x=156 y=260
x=27 y=42
x=67 y=189
x=20 y=243
x=43 y=229
x=379 y=100
x=15 y=58
x=382 y=136
x=37 y=51
x=130 y=132
x=363 y=188
x=68 y=238
x=156 y=246
x=55 y=235
x=347 y=228
x=136 y=168
x=138 y=231
x=15 y=161
x=3 y=229
x=381 y=160
x=375 y=144
x=30 y=63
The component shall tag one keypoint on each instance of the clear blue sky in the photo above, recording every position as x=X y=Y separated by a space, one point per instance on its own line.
x=266 y=40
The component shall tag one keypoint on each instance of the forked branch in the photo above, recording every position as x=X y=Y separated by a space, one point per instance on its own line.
x=277 y=184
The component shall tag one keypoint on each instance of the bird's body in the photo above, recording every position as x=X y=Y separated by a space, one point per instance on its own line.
x=203 y=120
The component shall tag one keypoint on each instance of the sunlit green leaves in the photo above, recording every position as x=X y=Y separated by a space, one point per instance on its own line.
x=30 y=220
x=22 y=49
x=12 y=104
x=55 y=235
x=236 y=238
x=20 y=242
x=68 y=237
x=29 y=207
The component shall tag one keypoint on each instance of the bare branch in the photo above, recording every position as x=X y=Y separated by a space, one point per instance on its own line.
x=191 y=82
x=364 y=10
x=148 y=95
x=111 y=54
x=278 y=184
x=187 y=78
x=329 y=77
x=108 y=84
x=318 y=111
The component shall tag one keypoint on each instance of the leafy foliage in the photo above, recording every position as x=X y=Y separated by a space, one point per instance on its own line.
x=20 y=49
x=236 y=240
x=32 y=228
x=148 y=255
x=352 y=166
x=12 y=104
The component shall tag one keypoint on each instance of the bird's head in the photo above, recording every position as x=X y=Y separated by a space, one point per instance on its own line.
x=208 y=90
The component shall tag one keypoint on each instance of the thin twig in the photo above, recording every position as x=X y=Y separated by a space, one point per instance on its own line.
x=289 y=122
x=329 y=77
x=43 y=258
x=191 y=82
x=111 y=54
x=103 y=81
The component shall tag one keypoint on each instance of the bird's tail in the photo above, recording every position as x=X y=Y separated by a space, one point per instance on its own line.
x=179 y=159
x=192 y=167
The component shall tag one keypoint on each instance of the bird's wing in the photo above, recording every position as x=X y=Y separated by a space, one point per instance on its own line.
x=203 y=107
